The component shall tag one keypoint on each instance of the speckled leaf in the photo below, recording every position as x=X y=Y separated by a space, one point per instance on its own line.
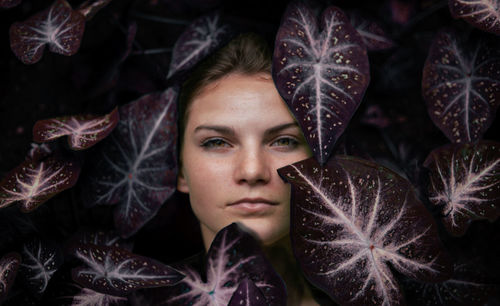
x=58 y=26
x=83 y=131
x=461 y=85
x=482 y=14
x=40 y=260
x=247 y=294
x=201 y=38
x=465 y=181
x=233 y=256
x=371 y=33
x=118 y=272
x=321 y=71
x=137 y=167
x=100 y=237
x=352 y=221
x=9 y=3
x=9 y=264
x=89 y=297
x=34 y=182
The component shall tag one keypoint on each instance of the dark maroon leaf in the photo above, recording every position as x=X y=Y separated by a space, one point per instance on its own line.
x=201 y=38
x=9 y=264
x=9 y=3
x=118 y=272
x=89 y=297
x=41 y=259
x=371 y=33
x=58 y=26
x=233 y=256
x=83 y=131
x=482 y=14
x=39 y=151
x=321 y=71
x=465 y=181
x=137 y=166
x=34 y=182
x=461 y=85
x=352 y=221
x=247 y=294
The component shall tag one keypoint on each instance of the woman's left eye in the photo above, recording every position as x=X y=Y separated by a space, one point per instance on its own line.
x=286 y=142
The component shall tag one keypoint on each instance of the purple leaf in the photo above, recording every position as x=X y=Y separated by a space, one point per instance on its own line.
x=321 y=71
x=118 y=272
x=233 y=256
x=352 y=221
x=41 y=260
x=372 y=34
x=58 y=26
x=100 y=238
x=83 y=131
x=201 y=38
x=137 y=167
x=9 y=264
x=465 y=181
x=9 y=3
x=461 y=85
x=39 y=151
x=482 y=14
x=89 y=297
x=34 y=182
x=247 y=294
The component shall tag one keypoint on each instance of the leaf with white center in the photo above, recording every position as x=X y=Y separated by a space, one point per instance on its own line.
x=233 y=256
x=482 y=14
x=118 y=272
x=34 y=182
x=89 y=297
x=9 y=264
x=59 y=27
x=83 y=131
x=247 y=294
x=40 y=260
x=465 y=182
x=461 y=85
x=136 y=166
x=321 y=71
x=354 y=220
x=200 y=39
x=371 y=33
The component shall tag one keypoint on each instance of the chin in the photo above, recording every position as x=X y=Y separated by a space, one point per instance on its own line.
x=266 y=232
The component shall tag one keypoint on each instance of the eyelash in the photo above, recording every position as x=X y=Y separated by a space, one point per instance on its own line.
x=211 y=143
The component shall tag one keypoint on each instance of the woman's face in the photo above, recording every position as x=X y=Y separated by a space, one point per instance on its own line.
x=238 y=132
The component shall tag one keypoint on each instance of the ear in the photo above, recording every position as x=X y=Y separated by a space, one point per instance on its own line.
x=182 y=185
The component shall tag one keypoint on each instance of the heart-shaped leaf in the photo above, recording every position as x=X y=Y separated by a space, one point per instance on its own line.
x=482 y=14
x=9 y=264
x=461 y=85
x=201 y=38
x=89 y=297
x=321 y=71
x=371 y=33
x=58 y=26
x=137 y=164
x=118 y=272
x=40 y=260
x=9 y=3
x=34 y=182
x=351 y=221
x=233 y=256
x=465 y=181
x=83 y=131
x=247 y=294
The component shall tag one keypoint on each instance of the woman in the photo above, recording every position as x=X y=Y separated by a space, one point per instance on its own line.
x=235 y=132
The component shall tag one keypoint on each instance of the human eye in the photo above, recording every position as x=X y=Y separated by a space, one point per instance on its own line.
x=214 y=143
x=285 y=142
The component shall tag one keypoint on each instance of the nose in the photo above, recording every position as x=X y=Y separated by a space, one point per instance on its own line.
x=252 y=167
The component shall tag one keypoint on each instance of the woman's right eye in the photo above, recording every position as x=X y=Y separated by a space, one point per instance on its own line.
x=214 y=143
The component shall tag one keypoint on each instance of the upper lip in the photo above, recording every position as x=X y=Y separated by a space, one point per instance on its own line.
x=254 y=200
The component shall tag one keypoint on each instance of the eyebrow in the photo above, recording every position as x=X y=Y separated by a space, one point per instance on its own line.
x=225 y=130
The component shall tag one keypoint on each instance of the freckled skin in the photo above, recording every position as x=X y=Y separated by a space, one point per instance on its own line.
x=243 y=165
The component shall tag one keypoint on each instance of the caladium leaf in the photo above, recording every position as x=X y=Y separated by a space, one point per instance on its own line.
x=83 y=131
x=351 y=221
x=201 y=38
x=137 y=166
x=89 y=297
x=40 y=260
x=100 y=237
x=247 y=294
x=482 y=14
x=465 y=181
x=321 y=71
x=9 y=264
x=118 y=272
x=371 y=33
x=34 y=182
x=58 y=26
x=9 y=3
x=233 y=256
x=461 y=86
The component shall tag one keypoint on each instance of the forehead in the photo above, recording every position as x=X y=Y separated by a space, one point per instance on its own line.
x=239 y=99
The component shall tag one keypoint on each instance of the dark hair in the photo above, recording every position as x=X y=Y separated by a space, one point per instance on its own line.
x=247 y=53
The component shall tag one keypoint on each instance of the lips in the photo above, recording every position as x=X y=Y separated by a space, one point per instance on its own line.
x=253 y=206
x=254 y=201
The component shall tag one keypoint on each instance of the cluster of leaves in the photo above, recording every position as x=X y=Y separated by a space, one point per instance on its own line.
x=382 y=211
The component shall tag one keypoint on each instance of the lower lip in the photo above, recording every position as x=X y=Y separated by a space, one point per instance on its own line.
x=252 y=208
